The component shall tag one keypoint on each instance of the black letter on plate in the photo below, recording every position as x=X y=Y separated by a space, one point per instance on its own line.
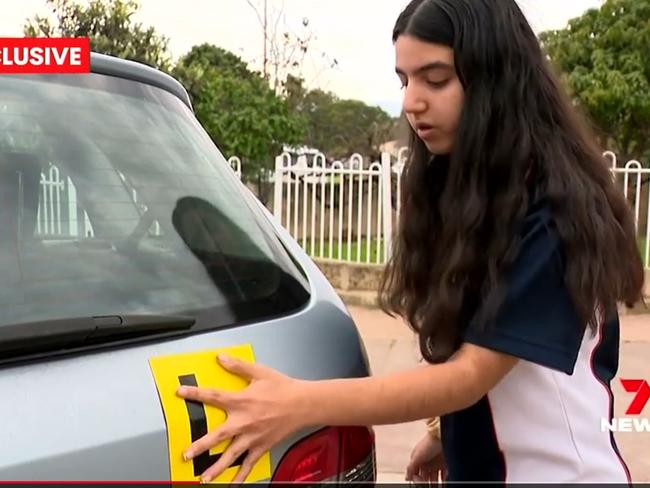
x=199 y=428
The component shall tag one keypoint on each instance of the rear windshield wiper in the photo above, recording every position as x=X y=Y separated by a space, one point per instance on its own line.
x=51 y=335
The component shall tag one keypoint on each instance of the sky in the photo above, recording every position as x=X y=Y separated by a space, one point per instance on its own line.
x=354 y=33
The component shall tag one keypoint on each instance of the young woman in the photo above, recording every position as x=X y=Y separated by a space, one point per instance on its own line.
x=513 y=252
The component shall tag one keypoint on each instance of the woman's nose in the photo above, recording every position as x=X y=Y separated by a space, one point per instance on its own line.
x=413 y=102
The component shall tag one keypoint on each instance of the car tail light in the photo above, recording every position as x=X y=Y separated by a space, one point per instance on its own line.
x=331 y=454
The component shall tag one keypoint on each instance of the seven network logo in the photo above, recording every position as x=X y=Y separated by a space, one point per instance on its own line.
x=634 y=423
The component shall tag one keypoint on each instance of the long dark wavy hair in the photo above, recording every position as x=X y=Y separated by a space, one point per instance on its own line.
x=461 y=213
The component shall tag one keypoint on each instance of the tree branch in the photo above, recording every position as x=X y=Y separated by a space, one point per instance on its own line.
x=257 y=13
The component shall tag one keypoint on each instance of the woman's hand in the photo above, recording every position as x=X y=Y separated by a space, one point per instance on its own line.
x=258 y=417
x=426 y=462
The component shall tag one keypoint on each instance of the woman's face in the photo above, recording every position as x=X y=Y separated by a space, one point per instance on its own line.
x=433 y=94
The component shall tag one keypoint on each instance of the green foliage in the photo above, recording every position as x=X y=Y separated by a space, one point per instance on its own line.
x=110 y=26
x=237 y=107
x=604 y=57
x=219 y=59
x=338 y=127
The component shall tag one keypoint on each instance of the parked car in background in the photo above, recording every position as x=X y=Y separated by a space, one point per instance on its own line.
x=126 y=236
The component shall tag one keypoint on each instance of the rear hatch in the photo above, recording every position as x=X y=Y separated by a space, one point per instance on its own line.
x=126 y=237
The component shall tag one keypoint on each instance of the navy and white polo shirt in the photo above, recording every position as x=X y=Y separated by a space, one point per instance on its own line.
x=542 y=422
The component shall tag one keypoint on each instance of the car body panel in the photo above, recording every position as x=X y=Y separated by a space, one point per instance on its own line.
x=88 y=408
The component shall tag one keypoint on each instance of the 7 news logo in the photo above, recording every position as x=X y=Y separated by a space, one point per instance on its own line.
x=641 y=390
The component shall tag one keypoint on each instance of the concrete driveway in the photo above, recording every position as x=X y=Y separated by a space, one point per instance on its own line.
x=392 y=346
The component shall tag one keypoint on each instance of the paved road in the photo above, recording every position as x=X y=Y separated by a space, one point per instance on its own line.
x=391 y=346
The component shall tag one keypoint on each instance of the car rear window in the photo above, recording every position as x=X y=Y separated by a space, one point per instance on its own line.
x=114 y=200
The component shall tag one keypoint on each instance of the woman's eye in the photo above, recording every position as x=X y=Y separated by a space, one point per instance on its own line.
x=437 y=84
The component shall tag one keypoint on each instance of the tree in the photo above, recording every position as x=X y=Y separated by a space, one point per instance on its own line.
x=239 y=110
x=284 y=53
x=294 y=90
x=218 y=58
x=109 y=25
x=604 y=57
x=339 y=127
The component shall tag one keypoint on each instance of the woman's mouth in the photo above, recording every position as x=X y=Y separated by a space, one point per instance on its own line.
x=424 y=131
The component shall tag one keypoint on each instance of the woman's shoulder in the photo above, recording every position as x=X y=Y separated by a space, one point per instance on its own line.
x=538 y=228
x=535 y=319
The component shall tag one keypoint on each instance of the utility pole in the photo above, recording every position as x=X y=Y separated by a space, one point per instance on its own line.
x=265 y=37
x=264 y=21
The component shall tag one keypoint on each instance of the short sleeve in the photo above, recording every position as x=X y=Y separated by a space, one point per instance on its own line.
x=537 y=321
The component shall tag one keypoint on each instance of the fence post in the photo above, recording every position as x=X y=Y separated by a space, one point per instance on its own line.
x=387 y=208
x=277 y=188
x=235 y=165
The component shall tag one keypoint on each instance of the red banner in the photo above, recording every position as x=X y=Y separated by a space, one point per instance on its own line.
x=44 y=55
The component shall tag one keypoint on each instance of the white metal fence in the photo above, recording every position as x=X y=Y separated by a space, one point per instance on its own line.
x=58 y=212
x=339 y=210
x=330 y=209
x=336 y=210
x=235 y=164
x=633 y=179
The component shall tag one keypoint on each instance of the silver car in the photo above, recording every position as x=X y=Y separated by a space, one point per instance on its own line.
x=130 y=253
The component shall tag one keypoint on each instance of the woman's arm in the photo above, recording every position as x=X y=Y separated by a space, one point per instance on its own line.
x=423 y=392
x=275 y=406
